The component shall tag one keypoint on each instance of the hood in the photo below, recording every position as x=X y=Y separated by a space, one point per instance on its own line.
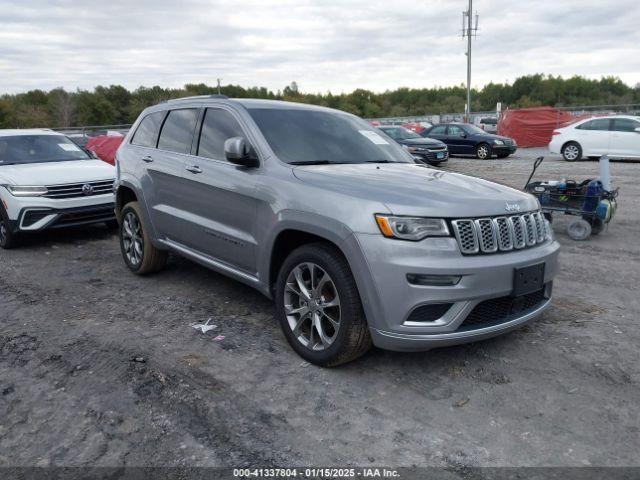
x=411 y=189
x=421 y=142
x=492 y=136
x=56 y=173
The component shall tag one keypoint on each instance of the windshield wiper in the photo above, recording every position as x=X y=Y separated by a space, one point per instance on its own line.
x=317 y=162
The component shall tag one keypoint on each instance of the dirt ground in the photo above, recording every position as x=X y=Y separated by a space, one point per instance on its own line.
x=100 y=367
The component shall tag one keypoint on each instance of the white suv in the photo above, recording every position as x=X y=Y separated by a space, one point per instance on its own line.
x=617 y=136
x=47 y=181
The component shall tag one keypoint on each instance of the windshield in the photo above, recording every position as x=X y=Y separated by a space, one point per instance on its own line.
x=399 y=133
x=20 y=149
x=299 y=136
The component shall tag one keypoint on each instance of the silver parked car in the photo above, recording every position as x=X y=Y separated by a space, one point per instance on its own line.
x=357 y=243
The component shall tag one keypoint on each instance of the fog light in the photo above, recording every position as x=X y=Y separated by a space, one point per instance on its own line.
x=433 y=280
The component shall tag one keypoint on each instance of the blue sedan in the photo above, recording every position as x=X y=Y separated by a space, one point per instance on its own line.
x=467 y=139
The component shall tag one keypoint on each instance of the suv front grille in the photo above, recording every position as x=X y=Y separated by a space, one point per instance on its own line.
x=489 y=235
x=73 y=190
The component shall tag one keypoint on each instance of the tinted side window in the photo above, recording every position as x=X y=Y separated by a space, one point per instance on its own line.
x=439 y=130
x=625 y=125
x=598 y=124
x=218 y=126
x=177 y=131
x=455 y=131
x=147 y=133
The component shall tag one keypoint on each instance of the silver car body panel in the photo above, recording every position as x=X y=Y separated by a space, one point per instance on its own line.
x=229 y=218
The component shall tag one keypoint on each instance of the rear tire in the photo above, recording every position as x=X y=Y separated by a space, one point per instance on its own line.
x=483 y=151
x=579 y=229
x=572 y=151
x=323 y=320
x=140 y=255
x=8 y=239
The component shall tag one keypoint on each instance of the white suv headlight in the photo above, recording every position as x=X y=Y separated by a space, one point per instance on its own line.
x=412 y=228
x=26 y=191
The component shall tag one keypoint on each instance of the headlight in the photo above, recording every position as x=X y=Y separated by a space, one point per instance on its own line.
x=26 y=191
x=412 y=228
x=498 y=142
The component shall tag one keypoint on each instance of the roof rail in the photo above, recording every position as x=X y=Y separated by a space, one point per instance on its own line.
x=197 y=97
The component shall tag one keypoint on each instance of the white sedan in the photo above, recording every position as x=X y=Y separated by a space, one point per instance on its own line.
x=617 y=136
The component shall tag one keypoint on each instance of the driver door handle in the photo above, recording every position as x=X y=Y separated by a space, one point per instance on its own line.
x=194 y=169
x=147 y=159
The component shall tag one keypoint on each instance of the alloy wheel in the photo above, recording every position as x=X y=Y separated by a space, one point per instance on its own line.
x=132 y=238
x=312 y=306
x=571 y=152
x=483 y=152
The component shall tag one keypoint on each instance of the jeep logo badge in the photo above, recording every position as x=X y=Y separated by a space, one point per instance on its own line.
x=512 y=207
x=87 y=189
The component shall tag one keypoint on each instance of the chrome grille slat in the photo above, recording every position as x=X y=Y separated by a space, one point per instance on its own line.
x=486 y=235
x=530 y=230
x=490 y=235
x=465 y=232
x=504 y=232
x=71 y=190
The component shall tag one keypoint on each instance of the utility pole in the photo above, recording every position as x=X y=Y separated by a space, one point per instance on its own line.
x=469 y=31
x=219 y=91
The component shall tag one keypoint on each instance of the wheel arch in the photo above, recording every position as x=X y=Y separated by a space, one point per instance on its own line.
x=289 y=239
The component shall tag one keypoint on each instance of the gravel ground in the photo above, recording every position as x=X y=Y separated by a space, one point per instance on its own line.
x=99 y=367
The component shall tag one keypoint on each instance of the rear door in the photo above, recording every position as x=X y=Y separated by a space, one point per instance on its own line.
x=221 y=199
x=439 y=132
x=625 y=141
x=165 y=188
x=594 y=136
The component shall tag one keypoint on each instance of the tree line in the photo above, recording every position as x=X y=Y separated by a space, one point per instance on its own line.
x=117 y=105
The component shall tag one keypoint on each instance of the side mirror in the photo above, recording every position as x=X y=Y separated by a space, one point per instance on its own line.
x=463 y=135
x=240 y=152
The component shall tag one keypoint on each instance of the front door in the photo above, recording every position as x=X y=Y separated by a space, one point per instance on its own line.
x=457 y=139
x=222 y=202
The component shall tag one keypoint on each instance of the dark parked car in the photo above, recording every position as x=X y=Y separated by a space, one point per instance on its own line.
x=466 y=139
x=426 y=150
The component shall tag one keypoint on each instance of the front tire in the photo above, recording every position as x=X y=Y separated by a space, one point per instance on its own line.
x=8 y=239
x=319 y=308
x=572 y=151
x=483 y=151
x=140 y=255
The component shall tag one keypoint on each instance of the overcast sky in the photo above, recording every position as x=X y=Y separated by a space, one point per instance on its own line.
x=321 y=44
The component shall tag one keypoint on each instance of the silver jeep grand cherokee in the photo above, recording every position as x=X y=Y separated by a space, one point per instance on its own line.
x=357 y=243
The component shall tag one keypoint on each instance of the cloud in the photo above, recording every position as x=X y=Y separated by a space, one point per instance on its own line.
x=322 y=45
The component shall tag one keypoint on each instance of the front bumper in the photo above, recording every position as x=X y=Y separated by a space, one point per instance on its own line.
x=504 y=149
x=432 y=157
x=389 y=299
x=31 y=214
